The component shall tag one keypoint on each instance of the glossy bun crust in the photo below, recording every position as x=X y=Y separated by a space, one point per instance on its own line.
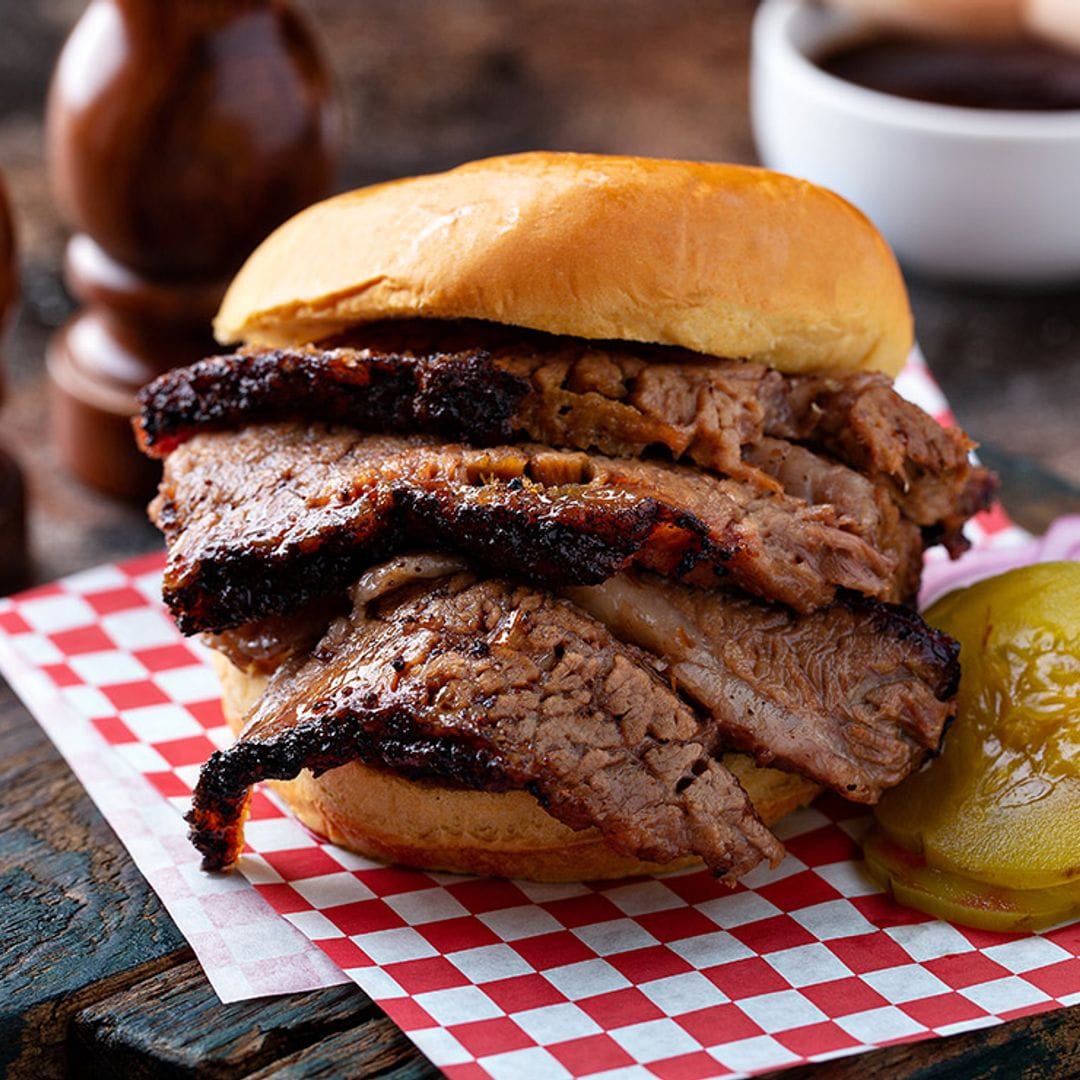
x=419 y=823
x=725 y=260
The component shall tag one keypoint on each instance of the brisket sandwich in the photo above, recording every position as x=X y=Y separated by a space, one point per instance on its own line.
x=557 y=518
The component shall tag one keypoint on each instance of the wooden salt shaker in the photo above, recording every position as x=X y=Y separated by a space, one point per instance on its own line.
x=179 y=133
x=14 y=561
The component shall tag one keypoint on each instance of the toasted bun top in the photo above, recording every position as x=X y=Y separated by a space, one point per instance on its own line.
x=726 y=260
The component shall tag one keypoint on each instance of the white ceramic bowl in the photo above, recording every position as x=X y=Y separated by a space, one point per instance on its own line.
x=976 y=194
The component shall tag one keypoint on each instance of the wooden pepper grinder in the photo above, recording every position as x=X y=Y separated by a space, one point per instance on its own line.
x=179 y=133
x=14 y=561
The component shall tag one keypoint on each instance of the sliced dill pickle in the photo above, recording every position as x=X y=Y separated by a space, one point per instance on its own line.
x=964 y=900
x=1001 y=804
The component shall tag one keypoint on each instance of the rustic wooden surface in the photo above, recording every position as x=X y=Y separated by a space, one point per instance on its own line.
x=94 y=978
x=123 y=1034
x=77 y=920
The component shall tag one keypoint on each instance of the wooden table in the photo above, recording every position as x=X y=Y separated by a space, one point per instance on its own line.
x=95 y=980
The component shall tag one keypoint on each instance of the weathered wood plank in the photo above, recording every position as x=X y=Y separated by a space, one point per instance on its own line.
x=77 y=920
x=173 y=1026
x=376 y=1048
x=1045 y=1046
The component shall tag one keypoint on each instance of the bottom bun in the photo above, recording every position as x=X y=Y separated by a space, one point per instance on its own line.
x=423 y=824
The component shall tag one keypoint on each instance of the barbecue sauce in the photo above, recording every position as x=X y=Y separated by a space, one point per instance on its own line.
x=1025 y=76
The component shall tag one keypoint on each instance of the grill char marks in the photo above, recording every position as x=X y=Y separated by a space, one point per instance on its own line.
x=853 y=696
x=263 y=520
x=485 y=385
x=497 y=686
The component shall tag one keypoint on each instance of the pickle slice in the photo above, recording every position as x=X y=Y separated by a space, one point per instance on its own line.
x=963 y=900
x=1001 y=804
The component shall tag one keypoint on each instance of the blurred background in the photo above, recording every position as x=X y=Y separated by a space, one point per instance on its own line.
x=427 y=84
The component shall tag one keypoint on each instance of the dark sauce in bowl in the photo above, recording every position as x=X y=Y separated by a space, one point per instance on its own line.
x=1018 y=75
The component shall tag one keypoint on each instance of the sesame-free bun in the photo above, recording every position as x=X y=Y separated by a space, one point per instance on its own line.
x=423 y=824
x=725 y=260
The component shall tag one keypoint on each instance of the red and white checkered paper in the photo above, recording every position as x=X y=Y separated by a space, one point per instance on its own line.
x=671 y=977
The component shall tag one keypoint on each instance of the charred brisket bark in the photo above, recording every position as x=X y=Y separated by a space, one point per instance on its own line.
x=488 y=386
x=853 y=697
x=269 y=518
x=491 y=685
x=453 y=396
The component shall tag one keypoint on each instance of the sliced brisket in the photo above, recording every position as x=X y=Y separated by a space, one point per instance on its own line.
x=487 y=386
x=268 y=518
x=465 y=395
x=497 y=686
x=819 y=481
x=863 y=421
x=853 y=696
